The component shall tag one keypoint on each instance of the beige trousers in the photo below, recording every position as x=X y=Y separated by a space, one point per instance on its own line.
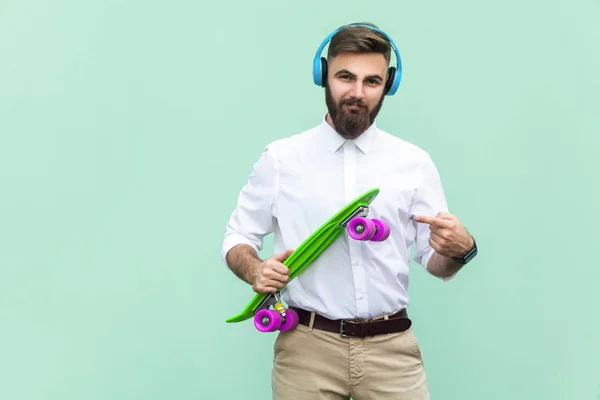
x=315 y=364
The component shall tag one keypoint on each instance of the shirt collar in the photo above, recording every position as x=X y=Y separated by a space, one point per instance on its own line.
x=333 y=140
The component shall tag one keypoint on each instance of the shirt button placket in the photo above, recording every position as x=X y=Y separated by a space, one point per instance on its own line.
x=350 y=177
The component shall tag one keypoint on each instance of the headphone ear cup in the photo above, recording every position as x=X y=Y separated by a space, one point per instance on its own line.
x=323 y=71
x=390 y=80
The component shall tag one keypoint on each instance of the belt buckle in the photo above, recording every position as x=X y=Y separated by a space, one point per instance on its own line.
x=366 y=328
x=353 y=321
x=342 y=322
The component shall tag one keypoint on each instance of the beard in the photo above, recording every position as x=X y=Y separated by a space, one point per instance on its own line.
x=350 y=123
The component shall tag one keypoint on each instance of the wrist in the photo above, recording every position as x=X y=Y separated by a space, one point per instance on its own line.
x=252 y=270
x=469 y=244
x=468 y=254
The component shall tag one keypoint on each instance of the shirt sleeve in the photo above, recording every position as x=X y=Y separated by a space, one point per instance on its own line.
x=252 y=218
x=429 y=200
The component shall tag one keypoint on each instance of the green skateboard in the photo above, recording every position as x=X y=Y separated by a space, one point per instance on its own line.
x=266 y=308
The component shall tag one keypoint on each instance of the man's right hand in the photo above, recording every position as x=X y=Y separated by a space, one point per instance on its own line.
x=271 y=275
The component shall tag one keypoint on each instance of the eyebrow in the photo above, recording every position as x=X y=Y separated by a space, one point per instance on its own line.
x=345 y=71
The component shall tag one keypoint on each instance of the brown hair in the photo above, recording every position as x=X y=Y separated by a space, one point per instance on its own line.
x=359 y=39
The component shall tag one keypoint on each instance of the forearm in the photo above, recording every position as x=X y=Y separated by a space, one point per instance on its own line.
x=442 y=266
x=243 y=260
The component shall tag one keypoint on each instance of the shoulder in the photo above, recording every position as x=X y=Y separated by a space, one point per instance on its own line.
x=281 y=148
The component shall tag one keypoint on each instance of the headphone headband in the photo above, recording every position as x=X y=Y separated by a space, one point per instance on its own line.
x=320 y=63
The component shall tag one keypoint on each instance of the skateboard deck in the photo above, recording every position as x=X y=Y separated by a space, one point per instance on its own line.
x=311 y=248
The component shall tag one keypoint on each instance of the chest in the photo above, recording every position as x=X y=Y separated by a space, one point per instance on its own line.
x=313 y=187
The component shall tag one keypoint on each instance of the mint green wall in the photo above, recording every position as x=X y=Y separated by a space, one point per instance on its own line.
x=128 y=128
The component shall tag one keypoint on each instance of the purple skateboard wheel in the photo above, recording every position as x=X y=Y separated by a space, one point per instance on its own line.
x=382 y=230
x=267 y=320
x=291 y=320
x=361 y=228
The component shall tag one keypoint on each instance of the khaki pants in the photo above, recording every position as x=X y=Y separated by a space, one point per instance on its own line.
x=315 y=364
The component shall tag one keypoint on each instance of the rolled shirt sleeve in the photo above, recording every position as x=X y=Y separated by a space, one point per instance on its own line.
x=429 y=200
x=252 y=218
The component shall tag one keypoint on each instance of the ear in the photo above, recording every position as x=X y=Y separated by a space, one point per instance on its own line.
x=390 y=80
x=323 y=71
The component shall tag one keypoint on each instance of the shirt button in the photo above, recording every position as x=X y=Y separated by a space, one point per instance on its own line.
x=360 y=297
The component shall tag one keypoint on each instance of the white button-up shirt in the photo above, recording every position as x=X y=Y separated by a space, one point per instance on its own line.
x=301 y=181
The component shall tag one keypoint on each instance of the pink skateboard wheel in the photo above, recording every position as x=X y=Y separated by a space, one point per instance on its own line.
x=267 y=320
x=291 y=320
x=382 y=230
x=361 y=228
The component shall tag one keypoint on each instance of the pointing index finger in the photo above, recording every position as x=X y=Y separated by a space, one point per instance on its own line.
x=440 y=223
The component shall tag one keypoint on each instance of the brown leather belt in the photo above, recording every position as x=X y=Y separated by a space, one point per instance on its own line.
x=398 y=322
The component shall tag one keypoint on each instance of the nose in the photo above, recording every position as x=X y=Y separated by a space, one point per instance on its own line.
x=358 y=90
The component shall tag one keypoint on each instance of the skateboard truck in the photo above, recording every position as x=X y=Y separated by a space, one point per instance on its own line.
x=271 y=300
x=361 y=211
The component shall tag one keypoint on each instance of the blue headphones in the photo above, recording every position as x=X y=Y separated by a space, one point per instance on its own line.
x=320 y=63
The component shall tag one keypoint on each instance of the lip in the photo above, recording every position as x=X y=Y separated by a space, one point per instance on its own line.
x=352 y=107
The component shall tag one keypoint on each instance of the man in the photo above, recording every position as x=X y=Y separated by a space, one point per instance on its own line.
x=301 y=181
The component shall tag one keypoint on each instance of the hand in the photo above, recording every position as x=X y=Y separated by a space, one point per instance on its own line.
x=448 y=235
x=271 y=275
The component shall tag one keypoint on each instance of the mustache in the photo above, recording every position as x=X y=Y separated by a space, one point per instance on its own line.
x=353 y=102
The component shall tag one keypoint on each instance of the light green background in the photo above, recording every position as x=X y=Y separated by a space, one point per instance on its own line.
x=128 y=128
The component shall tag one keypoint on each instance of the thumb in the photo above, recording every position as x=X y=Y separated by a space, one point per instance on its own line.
x=282 y=256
